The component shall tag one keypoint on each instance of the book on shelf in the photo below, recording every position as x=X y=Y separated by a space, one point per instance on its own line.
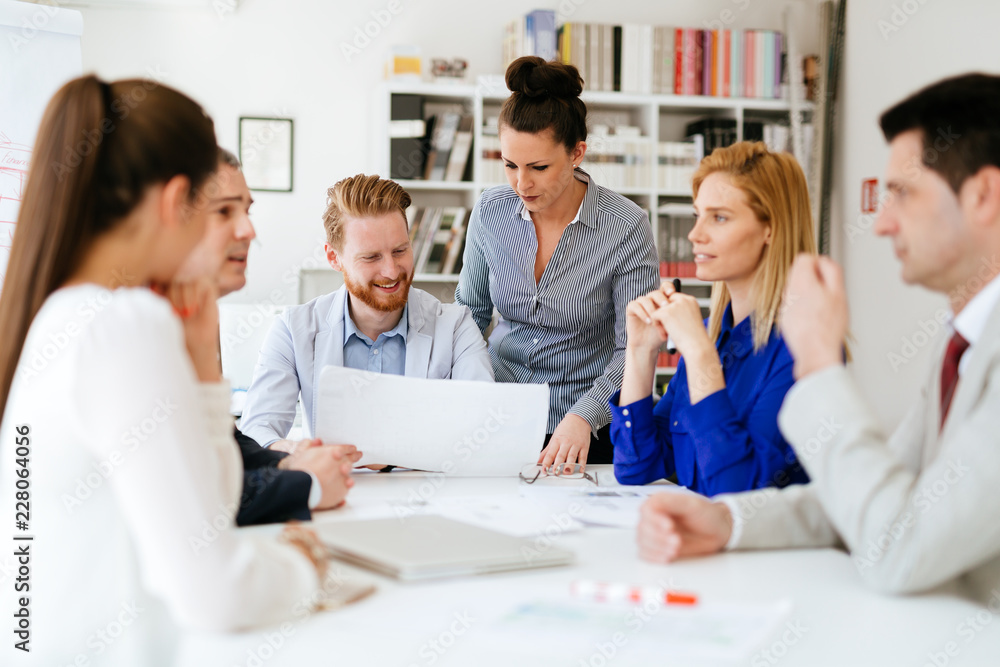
x=675 y=250
x=455 y=243
x=452 y=221
x=534 y=34
x=635 y=58
x=428 y=228
x=490 y=165
x=667 y=360
x=407 y=129
x=677 y=161
x=445 y=127
x=458 y=160
x=715 y=132
x=437 y=235
x=620 y=160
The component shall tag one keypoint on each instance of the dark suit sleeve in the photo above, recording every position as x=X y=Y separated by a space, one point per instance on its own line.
x=255 y=456
x=270 y=495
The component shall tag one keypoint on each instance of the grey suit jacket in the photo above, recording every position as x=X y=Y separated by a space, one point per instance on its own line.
x=442 y=341
x=917 y=510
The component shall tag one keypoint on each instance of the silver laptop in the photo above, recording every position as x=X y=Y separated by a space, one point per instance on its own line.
x=433 y=547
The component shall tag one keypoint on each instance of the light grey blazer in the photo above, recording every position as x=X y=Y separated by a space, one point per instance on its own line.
x=442 y=341
x=916 y=510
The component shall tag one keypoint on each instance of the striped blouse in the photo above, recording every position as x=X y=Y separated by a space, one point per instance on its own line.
x=568 y=329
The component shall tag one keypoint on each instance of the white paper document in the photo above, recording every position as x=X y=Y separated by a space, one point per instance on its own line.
x=562 y=632
x=612 y=506
x=456 y=427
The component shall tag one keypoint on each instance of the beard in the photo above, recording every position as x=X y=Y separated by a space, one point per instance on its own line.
x=370 y=295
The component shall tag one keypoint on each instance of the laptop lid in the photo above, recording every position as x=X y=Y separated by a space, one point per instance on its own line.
x=432 y=547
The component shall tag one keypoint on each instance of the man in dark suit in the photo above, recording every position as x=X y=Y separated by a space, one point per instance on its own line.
x=277 y=486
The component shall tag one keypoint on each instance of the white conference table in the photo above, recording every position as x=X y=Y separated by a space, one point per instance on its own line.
x=836 y=620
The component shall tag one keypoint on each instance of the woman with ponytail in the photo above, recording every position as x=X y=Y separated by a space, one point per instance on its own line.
x=114 y=434
x=559 y=257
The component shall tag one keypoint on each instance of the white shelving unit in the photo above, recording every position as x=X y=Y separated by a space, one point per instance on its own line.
x=660 y=118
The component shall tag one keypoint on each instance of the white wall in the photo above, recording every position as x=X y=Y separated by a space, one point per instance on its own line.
x=285 y=58
x=883 y=65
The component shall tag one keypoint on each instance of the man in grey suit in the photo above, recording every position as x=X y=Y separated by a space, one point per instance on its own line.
x=376 y=322
x=920 y=508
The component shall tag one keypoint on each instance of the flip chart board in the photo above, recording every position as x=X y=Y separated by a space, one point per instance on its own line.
x=39 y=52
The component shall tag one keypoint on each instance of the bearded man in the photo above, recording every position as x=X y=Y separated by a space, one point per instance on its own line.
x=376 y=322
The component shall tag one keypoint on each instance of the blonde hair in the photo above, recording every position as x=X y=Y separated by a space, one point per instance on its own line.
x=360 y=196
x=776 y=192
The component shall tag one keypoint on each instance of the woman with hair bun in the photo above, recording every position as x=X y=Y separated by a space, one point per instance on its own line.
x=559 y=257
x=716 y=428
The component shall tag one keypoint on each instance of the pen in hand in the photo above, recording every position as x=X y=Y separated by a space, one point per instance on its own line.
x=671 y=348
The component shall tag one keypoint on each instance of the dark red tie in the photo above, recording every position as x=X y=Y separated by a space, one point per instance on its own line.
x=949 y=372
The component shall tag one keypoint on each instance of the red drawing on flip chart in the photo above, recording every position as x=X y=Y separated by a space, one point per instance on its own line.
x=15 y=159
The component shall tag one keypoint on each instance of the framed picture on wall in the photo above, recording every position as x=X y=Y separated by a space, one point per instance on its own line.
x=266 y=151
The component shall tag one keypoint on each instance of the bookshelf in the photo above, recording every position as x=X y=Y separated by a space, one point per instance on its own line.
x=630 y=163
x=634 y=165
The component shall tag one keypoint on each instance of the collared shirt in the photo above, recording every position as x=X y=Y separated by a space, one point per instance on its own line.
x=728 y=441
x=971 y=321
x=386 y=354
x=568 y=329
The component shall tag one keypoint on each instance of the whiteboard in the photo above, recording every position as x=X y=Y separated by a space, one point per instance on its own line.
x=39 y=52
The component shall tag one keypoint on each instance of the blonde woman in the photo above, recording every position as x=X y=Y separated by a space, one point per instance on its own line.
x=716 y=428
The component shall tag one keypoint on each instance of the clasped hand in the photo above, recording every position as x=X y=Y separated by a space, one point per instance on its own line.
x=649 y=319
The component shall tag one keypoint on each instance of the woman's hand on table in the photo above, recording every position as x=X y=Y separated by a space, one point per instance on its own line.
x=570 y=442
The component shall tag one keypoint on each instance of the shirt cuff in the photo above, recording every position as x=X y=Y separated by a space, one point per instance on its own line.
x=595 y=412
x=315 y=492
x=734 y=510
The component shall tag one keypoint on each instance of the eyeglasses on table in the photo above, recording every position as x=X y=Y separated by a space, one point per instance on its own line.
x=530 y=474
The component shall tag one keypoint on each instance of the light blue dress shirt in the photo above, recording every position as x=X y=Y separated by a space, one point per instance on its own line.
x=386 y=354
